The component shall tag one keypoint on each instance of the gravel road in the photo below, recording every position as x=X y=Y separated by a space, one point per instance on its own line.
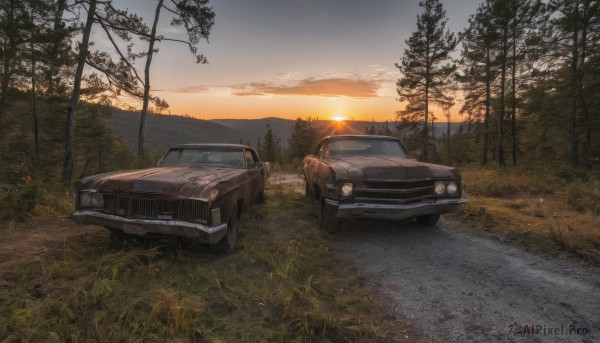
x=457 y=287
x=454 y=286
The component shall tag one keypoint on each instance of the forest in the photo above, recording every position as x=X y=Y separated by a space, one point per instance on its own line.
x=523 y=76
x=516 y=93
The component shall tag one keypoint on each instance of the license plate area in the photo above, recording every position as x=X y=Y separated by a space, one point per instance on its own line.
x=134 y=229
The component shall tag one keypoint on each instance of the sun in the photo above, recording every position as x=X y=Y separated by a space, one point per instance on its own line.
x=339 y=118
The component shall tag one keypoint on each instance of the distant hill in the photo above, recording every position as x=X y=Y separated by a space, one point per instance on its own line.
x=251 y=129
x=164 y=131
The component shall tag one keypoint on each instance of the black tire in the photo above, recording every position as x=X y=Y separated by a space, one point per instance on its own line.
x=227 y=244
x=329 y=222
x=116 y=238
x=261 y=198
x=307 y=191
x=430 y=219
x=119 y=239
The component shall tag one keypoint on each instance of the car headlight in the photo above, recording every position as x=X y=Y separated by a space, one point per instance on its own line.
x=85 y=199
x=213 y=194
x=90 y=199
x=440 y=188
x=97 y=200
x=215 y=216
x=346 y=189
x=452 y=188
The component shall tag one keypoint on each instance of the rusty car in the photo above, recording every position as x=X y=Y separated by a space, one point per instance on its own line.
x=370 y=176
x=196 y=192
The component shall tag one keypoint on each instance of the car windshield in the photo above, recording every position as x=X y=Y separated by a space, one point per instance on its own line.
x=359 y=146
x=212 y=156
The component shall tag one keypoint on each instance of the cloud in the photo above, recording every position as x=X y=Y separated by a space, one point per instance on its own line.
x=192 y=89
x=327 y=87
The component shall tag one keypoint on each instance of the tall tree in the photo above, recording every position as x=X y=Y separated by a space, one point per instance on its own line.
x=527 y=16
x=269 y=147
x=72 y=109
x=303 y=139
x=426 y=67
x=197 y=18
x=577 y=38
x=479 y=72
x=14 y=27
x=57 y=52
x=118 y=76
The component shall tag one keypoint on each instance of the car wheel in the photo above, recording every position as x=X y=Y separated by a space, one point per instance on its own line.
x=307 y=191
x=227 y=244
x=261 y=198
x=430 y=219
x=329 y=222
x=119 y=239
x=116 y=238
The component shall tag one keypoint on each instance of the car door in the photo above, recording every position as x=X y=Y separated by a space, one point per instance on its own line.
x=311 y=164
x=255 y=173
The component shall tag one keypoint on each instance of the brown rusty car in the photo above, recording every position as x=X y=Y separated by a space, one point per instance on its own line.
x=197 y=191
x=365 y=176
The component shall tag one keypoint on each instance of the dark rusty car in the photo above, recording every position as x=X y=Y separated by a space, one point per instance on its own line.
x=366 y=176
x=197 y=191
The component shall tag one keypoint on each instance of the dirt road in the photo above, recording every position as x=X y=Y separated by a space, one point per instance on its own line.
x=456 y=287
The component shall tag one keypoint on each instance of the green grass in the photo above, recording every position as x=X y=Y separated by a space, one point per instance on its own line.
x=551 y=208
x=282 y=284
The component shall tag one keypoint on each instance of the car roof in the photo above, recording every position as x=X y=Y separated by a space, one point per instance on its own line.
x=212 y=145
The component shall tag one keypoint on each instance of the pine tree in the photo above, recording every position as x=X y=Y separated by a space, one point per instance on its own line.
x=72 y=109
x=577 y=38
x=478 y=70
x=270 y=148
x=197 y=19
x=120 y=76
x=14 y=28
x=426 y=67
x=303 y=139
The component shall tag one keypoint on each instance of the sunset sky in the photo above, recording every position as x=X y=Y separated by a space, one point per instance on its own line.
x=292 y=58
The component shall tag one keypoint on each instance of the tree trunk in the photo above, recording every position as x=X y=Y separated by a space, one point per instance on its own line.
x=448 y=139
x=502 y=110
x=513 y=112
x=488 y=91
x=573 y=141
x=60 y=8
x=142 y=133
x=8 y=52
x=36 y=145
x=5 y=81
x=72 y=110
x=584 y=108
x=425 y=129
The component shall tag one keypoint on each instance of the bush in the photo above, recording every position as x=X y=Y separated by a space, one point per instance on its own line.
x=17 y=203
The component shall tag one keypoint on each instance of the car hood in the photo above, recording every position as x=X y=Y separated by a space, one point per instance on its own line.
x=178 y=181
x=388 y=168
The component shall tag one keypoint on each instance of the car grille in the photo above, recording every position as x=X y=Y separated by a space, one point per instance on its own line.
x=142 y=208
x=394 y=191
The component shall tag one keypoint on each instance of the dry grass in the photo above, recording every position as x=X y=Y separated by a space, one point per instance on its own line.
x=542 y=208
x=281 y=285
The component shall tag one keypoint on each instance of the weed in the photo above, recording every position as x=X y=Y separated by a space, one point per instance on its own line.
x=282 y=284
x=541 y=207
x=559 y=238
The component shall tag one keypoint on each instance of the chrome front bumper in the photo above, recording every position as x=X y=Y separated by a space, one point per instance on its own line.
x=199 y=232
x=392 y=211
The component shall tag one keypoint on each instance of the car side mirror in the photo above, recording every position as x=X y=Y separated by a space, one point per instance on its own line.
x=267 y=166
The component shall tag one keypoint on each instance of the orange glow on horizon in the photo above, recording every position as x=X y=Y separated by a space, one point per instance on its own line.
x=290 y=107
